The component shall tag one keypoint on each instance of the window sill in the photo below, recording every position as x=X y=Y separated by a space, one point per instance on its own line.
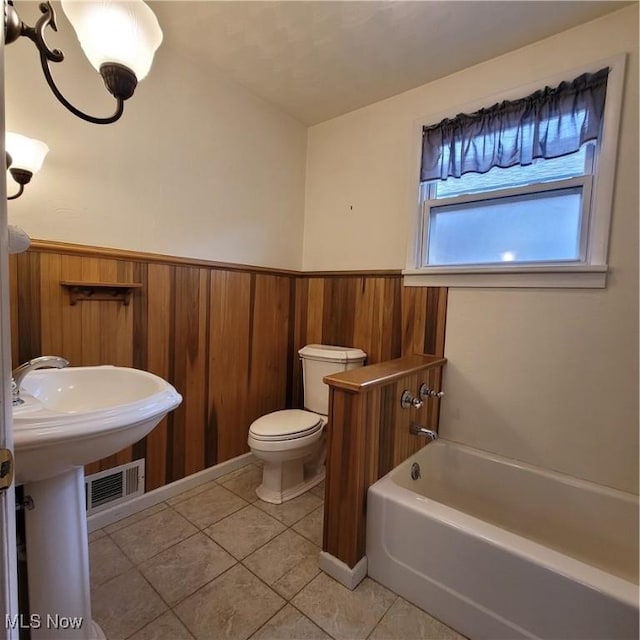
x=522 y=276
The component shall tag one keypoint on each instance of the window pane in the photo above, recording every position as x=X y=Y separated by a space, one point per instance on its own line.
x=569 y=166
x=540 y=227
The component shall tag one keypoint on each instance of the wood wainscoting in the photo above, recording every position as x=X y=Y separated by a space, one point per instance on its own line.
x=220 y=336
x=226 y=336
x=373 y=312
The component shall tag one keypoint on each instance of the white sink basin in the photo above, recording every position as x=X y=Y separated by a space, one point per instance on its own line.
x=76 y=415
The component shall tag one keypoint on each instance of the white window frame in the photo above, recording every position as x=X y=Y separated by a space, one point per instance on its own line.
x=591 y=270
x=540 y=187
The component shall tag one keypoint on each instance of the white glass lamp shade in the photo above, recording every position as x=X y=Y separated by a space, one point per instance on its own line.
x=26 y=153
x=122 y=31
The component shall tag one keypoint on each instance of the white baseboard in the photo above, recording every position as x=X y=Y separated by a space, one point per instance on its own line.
x=109 y=516
x=342 y=572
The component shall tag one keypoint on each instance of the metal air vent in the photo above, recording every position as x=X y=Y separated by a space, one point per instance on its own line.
x=114 y=486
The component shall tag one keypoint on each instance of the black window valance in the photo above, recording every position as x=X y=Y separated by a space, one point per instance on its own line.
x=549 y=123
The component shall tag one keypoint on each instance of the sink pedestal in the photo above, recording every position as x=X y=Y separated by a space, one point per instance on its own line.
x=58 y=559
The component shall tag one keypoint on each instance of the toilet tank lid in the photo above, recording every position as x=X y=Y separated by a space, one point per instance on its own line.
x=330 y=353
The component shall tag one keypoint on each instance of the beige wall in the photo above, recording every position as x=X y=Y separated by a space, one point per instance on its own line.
x=197 y=167
x=545 y=376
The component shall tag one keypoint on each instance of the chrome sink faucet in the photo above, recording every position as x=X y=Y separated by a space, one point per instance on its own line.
x=18 y=374
x=416 y=430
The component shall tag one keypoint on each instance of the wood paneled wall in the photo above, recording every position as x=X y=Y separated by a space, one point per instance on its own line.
x=226 y=336
x=375 y=313
x=219 y=336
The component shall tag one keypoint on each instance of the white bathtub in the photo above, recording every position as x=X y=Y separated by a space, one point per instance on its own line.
x=496 y=548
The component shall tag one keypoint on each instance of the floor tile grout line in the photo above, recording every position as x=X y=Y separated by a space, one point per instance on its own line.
x=216 y=481
x=173 y=544
x=143 y=627
x=219 y=576
x=251 y=504
x=271 y=586
x=95 y=585
x=396 y=598
x=156 y=510
x=193 y=535
x=202 y=586
x=375 y=626
x=301 y=533
x=220 y=480
x=296 y=521
x=215 y=521
x=253 y=573
x=136 y=564
x=274 y=537
x=202 y=486
x=266 y=622
x=137 y=568
x=254 y=550
x=168 y=608
x=286 y=528
x=301 y=612
x=133 y=564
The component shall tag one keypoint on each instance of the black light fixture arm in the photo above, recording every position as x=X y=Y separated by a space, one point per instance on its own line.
x=69 y=106
x=22 y=177
x=17 y=195
x=119 y=80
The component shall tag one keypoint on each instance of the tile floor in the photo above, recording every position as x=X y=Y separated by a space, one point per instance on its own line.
x=215 y=562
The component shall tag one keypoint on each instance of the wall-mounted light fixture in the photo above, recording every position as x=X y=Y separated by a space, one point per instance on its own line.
x=119 y=37
x=24 y=158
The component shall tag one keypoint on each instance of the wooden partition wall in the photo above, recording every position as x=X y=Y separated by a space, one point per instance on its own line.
x=226 y=336
x=367 y=436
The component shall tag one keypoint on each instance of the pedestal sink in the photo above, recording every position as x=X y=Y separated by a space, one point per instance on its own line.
x=71 y=417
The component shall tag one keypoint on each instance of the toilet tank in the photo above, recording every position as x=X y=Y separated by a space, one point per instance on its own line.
x=320 y=360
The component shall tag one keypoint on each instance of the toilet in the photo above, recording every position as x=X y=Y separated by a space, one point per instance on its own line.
x=291 y=443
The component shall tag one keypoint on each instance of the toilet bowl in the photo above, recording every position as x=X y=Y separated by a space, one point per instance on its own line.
x=291 y=443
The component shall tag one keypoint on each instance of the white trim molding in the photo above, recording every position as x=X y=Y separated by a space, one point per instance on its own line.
x=523 y=276
x=342 y=572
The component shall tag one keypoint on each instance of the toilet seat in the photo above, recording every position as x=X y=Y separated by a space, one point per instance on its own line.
x=288 y=424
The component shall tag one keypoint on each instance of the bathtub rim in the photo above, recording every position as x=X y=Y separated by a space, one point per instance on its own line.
x=611 y=585
x=518 y=464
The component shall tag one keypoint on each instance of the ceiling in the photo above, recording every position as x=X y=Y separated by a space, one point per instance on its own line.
x=320 y=59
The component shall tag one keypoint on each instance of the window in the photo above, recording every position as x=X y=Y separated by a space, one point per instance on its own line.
x=536 y=213
x=511 y=189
